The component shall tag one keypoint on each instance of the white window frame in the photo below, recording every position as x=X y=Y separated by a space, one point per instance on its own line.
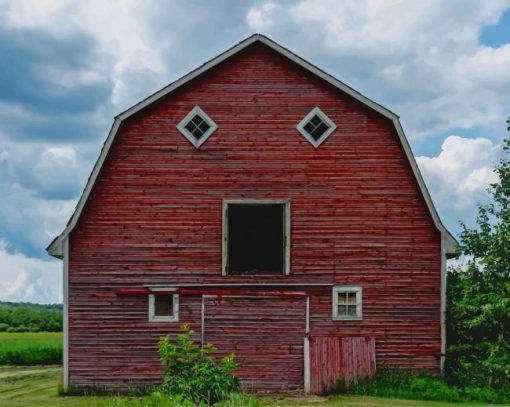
x=192 y=139
x=152 y=307
x=359 y=302
x=286 y=237
x=316 y=111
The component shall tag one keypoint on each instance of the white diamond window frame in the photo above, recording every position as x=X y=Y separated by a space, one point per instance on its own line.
x=197 y=111
x=316 y=111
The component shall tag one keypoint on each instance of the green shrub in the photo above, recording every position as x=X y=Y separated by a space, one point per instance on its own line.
x=18 y=329
x=31 y=317
x=425 y=387
x=398 y=383
x=30 y=356
x=3 y=327
x=192 y=372
x=478 y=297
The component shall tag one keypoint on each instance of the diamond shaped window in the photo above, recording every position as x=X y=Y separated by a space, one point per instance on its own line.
x=197 y=126
x=316 y=127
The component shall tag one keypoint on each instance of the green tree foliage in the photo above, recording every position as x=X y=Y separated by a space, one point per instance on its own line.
x=478 y=307
x=26 y=317
x=192 y=372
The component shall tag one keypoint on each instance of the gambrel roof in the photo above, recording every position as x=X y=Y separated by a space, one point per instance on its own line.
x=56 y=246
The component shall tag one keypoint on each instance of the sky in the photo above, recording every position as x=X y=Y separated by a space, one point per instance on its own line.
x=68 y=67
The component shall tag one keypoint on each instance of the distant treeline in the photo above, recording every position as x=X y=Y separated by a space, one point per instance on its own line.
x=28 y=317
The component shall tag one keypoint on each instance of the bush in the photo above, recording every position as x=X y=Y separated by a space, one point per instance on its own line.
x=30 y=356
x=18 y=329
x=3 y=327
x=26 y=317
x=398 y=383
x=478 y=297
x=192 y=372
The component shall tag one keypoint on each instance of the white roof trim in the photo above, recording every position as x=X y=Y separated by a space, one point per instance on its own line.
x=56 y=248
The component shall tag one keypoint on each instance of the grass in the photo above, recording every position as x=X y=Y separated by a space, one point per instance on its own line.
x=37 y=386
x=30 y=348
x=397 y=383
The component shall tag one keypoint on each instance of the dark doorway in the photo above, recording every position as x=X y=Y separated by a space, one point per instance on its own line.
x=256 y=238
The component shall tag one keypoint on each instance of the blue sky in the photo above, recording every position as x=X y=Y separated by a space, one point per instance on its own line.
x=67 y=67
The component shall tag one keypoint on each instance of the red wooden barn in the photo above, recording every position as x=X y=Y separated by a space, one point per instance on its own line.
x=274 y=209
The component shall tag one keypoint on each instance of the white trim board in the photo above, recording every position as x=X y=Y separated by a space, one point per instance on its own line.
x=56 y=246
x=65 y=315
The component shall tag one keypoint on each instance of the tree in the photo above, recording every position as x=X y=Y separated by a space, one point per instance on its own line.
x=478 y=307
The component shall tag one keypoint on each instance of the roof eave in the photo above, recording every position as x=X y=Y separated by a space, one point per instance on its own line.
x=55 y=248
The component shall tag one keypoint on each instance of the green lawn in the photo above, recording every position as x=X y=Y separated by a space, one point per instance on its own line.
x=10 y=340
x=30 y=348
x=37 y=386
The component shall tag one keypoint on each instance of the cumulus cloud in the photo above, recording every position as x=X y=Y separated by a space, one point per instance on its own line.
x=29 y=279
x=423 y=60
x=29 y=223
x=458 y=177
x=461 y=262
x=55 y=172
x=68 y=67
x=40 y=185
x=130 y=45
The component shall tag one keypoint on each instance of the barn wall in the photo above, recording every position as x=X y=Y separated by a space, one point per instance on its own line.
x=261 y=332
x=155 y=217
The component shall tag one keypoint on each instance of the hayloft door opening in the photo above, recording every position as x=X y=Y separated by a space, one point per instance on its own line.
x=256 y=238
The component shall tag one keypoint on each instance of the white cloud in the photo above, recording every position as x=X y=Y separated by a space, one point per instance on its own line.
x=459 y=176
x=257 y=17
x=422 y=59
x=29 y=279
x=461 y=262
x=51 y=170
x=123 y=33
x=30 y=222
x=39 y=185
x=70 y=78
x=38 y=13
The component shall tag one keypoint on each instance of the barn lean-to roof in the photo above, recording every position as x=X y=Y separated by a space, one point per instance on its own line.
x=56 y=246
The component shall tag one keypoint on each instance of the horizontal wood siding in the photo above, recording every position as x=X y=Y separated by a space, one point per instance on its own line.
x=265 y=334
x=111 y=343
x=155 y=216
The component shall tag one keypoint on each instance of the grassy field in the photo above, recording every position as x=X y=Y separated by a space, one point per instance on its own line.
x=37 y=386
x=30 y=348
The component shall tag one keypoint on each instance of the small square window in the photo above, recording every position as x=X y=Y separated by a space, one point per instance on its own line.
x=197 y=126
x=163 y=307
x=347 y=303
x=316 y=127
